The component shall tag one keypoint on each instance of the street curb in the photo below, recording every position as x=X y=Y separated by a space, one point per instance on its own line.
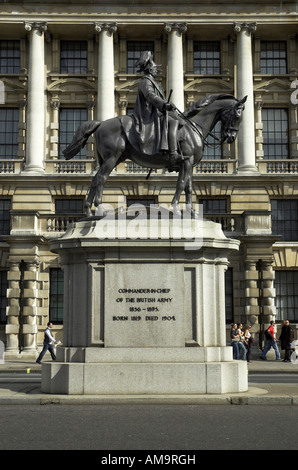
x=255 y=396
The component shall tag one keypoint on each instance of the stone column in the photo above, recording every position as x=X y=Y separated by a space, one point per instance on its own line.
x=106 y=85
x=246 y=138
x=268 y=291
x=36 y=99
x=12 y=328
x=30 y=307
x=175 y=62
x=251 y=276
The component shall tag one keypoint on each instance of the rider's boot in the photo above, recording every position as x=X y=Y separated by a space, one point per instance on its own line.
x=174 y=157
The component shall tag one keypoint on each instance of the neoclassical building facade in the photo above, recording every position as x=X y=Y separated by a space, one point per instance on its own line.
x=65 y=62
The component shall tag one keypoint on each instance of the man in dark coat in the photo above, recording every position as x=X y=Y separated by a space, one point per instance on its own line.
x=286 y=338
x=155 y=120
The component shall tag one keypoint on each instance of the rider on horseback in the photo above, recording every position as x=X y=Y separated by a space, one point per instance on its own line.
x=156 y=121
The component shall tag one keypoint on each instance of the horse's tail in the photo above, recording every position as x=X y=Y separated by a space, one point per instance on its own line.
x=80 y=138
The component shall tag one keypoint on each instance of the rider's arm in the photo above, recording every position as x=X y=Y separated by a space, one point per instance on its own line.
x=151 y=94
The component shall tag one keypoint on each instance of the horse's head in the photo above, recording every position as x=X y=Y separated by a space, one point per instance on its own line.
x=231 y=118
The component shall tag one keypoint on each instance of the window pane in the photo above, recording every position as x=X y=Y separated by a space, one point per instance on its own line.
x=275 y=134
x=70 y=119
x=286 y=283
x=9 y=57
x=56 y=295
x=73 y=57
x=3 y=296
x=9 y=132
x=273 y=57
x=213 y=151
x=284 y=217
x=207 y=57
x=69 y=206
x=5 y=205
x=214 y=206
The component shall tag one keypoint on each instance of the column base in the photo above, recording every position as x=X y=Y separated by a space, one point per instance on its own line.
x=247 y=169
x=33 y=169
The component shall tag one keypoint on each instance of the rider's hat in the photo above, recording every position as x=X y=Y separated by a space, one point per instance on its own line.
x=144 y=61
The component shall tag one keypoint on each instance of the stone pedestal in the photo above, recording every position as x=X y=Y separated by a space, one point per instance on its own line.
x=145 y=314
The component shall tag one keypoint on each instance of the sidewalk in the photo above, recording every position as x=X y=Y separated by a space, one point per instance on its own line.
x=257 y=394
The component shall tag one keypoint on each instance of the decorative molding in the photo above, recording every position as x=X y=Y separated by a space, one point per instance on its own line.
x=41 y=26
x=248 y=27
x=180 y=27
x=110 y=27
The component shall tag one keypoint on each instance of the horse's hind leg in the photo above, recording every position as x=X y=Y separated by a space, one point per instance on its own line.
x=100 y=180
x=90 y=197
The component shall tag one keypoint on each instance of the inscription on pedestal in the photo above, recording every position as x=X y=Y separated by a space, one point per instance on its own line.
x=144 y=305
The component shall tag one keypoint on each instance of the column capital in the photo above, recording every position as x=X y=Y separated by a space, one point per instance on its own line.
x=110 y=27
x=247 y=27
x=180 y=27
x=40 y=26
x=55 y=104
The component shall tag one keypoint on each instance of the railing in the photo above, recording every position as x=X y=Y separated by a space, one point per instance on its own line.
x=131 y=167
x=70 y=167
x=215 y=167
x=232 y=224
x=59 y=222
x=13 y=166
x=278 y=167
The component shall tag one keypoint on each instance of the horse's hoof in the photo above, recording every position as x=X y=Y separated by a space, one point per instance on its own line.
x=100 y=211
x=193 y=213
x=176 y=211
x=88 y=210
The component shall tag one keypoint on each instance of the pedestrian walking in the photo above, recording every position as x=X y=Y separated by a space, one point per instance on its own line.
x=47 y=344
x=286 y=338
x=271 y=342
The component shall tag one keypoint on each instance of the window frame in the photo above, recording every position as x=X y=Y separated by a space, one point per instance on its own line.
x=275 y=145
x=13 y=55
x=213 y=64
x=66 y=135
x=55 y=296
x=286 y=298
x=268 y=55
x=9 y=137
x=79 y=64
x=279 y=224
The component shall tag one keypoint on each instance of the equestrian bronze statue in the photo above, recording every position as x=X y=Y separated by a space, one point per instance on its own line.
x=157 y=135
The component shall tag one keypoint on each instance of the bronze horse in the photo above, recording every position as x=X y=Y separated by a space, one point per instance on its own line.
x=113 y=147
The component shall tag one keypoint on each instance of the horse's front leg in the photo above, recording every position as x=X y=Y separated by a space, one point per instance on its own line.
x=180 y=185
